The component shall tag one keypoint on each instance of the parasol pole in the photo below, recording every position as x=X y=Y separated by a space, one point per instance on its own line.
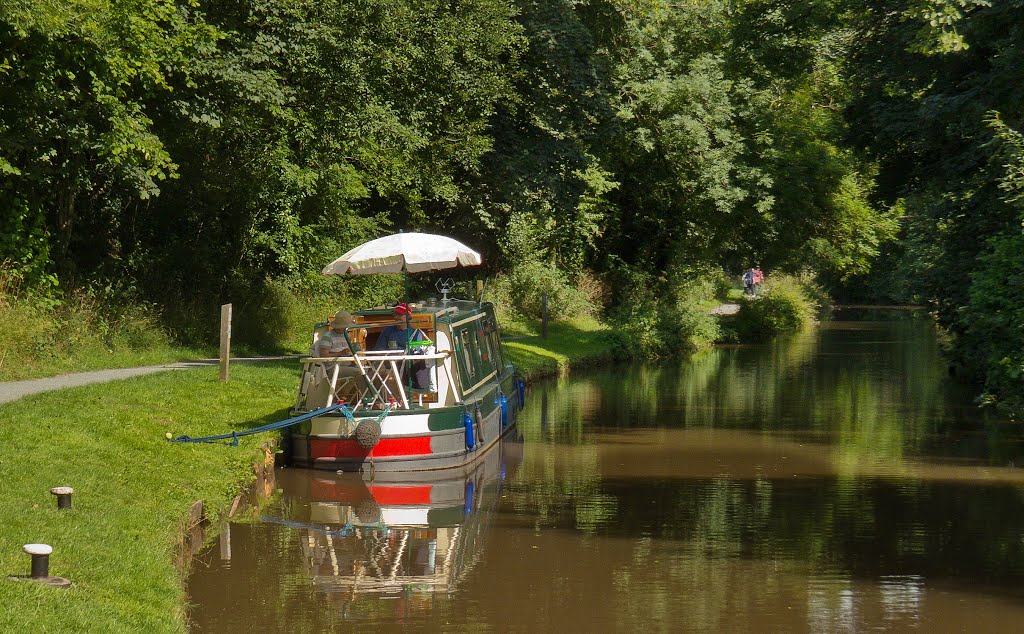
x=408 y=333
x=408 y=325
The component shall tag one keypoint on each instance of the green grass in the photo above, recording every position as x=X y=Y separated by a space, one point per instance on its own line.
x=35 y=342
x=577 y=343
x=94 y=358
x=133 y=490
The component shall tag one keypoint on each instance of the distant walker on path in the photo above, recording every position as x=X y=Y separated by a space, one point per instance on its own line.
x=748 y=282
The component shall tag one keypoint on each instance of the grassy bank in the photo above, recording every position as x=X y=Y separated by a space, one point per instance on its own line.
x=133 y=490
x=567 y=345
x=40 y=340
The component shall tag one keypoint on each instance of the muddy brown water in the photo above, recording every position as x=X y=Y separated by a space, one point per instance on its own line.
x=835 y=481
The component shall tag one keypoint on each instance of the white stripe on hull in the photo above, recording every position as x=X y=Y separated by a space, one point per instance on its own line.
x=390 y=426
x=403 y=516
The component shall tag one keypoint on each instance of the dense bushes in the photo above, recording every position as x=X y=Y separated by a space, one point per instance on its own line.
x=42 y=335
x=786 y=304
x=992 y=339
x=518 y=294
x=666 y=316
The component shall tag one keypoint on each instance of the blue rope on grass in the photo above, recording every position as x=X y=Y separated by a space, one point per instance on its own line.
x=235 y=435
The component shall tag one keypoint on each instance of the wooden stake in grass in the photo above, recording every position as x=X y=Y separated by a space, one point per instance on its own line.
x=225 y=341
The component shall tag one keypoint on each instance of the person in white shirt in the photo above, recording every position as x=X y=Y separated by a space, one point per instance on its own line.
x=332 y=343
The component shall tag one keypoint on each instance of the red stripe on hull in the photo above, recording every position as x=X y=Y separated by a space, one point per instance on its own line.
x=345 y=448
x=338 y=491
x=401 y=495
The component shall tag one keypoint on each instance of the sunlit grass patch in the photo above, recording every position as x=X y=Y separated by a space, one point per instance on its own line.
x=132 y=490
x=579 y=342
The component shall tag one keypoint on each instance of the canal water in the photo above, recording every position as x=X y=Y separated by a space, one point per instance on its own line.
x=833 y=481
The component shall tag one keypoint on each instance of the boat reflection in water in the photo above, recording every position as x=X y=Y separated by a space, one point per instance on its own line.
x=400 y=533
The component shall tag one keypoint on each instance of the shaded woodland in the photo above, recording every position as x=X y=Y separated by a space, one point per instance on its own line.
x=178 y=154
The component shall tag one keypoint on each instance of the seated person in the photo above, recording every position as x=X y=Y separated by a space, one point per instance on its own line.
x=332 y=343
x=397 y=337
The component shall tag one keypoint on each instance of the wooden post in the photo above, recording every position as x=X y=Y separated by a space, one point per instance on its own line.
x=544 y=316
x=479 y=290
x=225 y=341
x=225 y=542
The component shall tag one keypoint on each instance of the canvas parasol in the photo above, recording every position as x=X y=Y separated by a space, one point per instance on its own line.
x=404 y=253
x=408 y=252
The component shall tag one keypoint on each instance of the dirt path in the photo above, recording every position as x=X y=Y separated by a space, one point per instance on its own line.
x=725 y=309
x=13 y=390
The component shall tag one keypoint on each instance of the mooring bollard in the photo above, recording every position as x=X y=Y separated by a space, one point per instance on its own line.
x=40 y=559
x=41 y=567
x=63 y=496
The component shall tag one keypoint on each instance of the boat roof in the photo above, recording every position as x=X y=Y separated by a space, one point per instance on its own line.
x=451 y=310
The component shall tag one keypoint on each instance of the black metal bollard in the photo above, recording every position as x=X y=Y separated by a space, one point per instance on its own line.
x=40 y=559
x=41 y=567
x=63 y=496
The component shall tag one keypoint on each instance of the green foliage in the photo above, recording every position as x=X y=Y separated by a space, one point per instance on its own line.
x=202 y=149
x=822 y=195
x=786 y=304
x=267 y=317
x=992 y=324
x=24 y=242
x=939 y=33
x=636 y=316
x=545 y=191
x=1010 y=152
x=89 y=330
x=927 y=87
x=668 y=316
x=733 y=139
x=76 y=123
x=522 y=289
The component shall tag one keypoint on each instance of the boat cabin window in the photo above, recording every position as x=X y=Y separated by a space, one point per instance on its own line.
x=494 y=344
x=467 y=369
x=475 y=353
x=484 y=352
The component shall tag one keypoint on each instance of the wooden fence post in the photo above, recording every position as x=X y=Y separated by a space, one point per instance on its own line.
x=225 y=341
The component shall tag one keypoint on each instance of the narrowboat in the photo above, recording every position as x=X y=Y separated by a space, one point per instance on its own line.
x=439 y=401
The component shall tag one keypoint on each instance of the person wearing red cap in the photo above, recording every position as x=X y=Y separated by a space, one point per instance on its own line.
x=397 y=337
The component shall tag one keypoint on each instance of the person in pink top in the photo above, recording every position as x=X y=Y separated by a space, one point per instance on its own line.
x=758 y=279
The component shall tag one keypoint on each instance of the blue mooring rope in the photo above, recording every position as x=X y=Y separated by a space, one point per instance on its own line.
x=235 y=435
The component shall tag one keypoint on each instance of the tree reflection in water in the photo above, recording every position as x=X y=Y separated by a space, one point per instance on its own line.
x=830 y=481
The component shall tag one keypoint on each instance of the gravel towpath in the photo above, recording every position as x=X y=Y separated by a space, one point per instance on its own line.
x=725 y=309
x=13 y=390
